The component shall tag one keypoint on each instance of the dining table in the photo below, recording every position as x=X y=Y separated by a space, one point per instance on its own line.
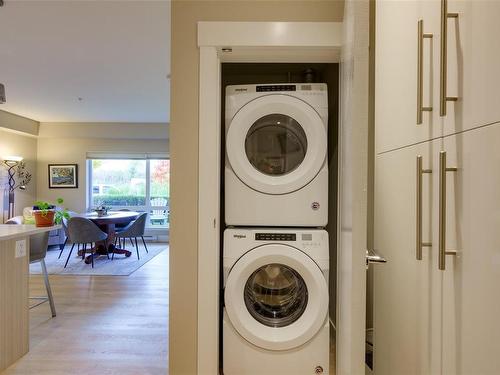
x=108 y=224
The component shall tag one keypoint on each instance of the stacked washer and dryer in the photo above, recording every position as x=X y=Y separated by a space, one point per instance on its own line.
x=275 y=253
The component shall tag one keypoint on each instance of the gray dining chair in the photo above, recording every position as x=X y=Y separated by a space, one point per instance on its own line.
x=119 y=227
x=135 y=229
x=67 y=241
x=38 y=251
x=84 y=232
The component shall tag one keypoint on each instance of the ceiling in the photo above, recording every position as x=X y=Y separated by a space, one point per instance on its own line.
x=86 y=61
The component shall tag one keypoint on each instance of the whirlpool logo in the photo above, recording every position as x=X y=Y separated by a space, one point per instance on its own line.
x=239 y=236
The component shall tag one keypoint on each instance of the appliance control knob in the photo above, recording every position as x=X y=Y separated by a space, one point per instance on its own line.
x=318 y=370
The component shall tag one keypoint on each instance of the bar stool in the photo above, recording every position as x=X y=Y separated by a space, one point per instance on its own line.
x=38 y=250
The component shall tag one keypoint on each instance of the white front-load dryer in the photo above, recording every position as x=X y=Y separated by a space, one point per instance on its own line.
x=275 y=318
x=276 y=169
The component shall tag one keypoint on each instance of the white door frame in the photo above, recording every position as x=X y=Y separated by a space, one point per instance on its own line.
x=353 y=188
x=252 y=42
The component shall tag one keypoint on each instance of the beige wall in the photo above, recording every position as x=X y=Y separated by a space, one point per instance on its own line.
x=18 y=145
x=17 y=123
x=17 y=138
x=110 y=130
x=69 y=143
x=74 y=150
x=184 y=148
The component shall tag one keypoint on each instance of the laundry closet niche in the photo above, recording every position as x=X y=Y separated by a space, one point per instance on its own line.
x=283 y=73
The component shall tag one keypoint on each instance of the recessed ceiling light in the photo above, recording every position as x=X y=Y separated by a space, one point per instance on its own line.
x=227 y=49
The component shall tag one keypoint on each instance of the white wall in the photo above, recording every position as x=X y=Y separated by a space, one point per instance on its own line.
x=69 y=143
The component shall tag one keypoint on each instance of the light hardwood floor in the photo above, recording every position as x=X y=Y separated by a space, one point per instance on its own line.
x=105 y=325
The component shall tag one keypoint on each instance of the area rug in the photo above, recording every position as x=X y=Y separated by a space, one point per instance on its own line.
x=120 y=266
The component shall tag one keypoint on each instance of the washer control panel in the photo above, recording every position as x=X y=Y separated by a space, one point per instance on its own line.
x=306 y=237
x=275 y=237
x=312 y=241
x=264 y=88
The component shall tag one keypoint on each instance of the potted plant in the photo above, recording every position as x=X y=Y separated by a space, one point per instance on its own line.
x=46 y=215
x=101 y=210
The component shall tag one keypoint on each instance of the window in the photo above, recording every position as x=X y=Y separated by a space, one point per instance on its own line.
x=159 y=192
x=134 y=184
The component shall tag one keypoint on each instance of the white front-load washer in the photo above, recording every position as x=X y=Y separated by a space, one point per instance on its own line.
x=275 y=302
x=276 y=168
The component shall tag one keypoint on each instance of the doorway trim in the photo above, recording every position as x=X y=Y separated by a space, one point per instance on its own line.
x=238 y=42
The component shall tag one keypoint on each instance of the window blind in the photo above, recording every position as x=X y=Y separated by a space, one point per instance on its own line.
x=103 y=155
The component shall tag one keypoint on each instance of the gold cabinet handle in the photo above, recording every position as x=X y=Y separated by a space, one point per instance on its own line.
x=420 y=70
x=442 y=211
x=443 y=98
x=419 y=243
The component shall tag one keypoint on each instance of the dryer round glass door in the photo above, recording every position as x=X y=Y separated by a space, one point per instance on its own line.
x=276 y=297
x=276 y=144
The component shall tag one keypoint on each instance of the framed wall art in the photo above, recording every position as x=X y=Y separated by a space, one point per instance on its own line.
x=63 y=176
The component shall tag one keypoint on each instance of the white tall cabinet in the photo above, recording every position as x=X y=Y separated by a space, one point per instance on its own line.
x=438 y=314
x=471 y=297
x=470 y=68
x=407 y=292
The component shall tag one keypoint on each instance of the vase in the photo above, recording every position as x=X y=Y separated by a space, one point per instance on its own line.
x=44 y=218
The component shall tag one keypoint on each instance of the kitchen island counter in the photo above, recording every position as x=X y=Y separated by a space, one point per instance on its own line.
x=14 y=293
x=10 y=231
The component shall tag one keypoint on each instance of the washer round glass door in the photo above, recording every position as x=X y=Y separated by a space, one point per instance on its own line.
x=276 y=144
x=276 y=297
